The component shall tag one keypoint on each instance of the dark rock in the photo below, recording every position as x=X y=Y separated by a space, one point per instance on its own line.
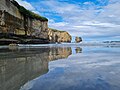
x=78 y=39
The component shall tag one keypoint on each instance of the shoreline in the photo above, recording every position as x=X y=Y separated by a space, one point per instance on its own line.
x=60 y=45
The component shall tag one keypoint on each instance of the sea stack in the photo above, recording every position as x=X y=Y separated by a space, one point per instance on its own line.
x=78 y=39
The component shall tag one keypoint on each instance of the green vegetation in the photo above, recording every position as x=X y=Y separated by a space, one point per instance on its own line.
x=28 y=13
x=55 y=30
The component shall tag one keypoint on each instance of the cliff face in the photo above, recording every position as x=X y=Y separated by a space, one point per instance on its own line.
x=13 y=21
x=58 y=36
x=16 y=20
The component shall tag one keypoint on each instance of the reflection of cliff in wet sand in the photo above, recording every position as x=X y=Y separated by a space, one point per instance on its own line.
x=21 y=65
x=16 y=70
x=58 y=53
x=78 y=50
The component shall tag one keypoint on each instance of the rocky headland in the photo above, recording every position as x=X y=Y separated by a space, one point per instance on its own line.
x=19 y=25
x=59 y=36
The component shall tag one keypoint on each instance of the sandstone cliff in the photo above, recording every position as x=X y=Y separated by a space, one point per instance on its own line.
x=58 y=36
x=19 y=25
x=17 y=20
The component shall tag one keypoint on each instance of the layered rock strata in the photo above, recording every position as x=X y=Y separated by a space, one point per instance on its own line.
x=17 y=22
x=59 y=36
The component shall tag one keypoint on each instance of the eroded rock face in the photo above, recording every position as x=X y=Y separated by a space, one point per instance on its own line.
x=30 y=27
x=40 y=28
x=18 y=26
x=78 y=39
x=13 y=21
x=58 y=36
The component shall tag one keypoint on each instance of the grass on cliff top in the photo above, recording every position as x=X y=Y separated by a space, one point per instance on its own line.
x=55 y=30
x=28 y=13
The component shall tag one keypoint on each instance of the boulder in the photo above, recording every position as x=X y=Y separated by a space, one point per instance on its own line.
x=78 y=39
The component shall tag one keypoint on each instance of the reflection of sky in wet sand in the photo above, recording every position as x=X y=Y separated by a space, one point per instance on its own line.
x=93 y=69
x=18 y=65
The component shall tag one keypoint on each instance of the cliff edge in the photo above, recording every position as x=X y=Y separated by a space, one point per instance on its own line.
x=58 y=36
x=19 y=25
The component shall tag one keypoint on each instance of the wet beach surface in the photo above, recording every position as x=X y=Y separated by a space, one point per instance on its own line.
x=60 y=68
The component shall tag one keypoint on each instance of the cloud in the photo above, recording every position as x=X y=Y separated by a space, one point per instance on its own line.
x=87 y=19
x=26 y=5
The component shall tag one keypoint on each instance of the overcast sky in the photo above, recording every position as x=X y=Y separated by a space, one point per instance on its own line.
x=91 y=19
